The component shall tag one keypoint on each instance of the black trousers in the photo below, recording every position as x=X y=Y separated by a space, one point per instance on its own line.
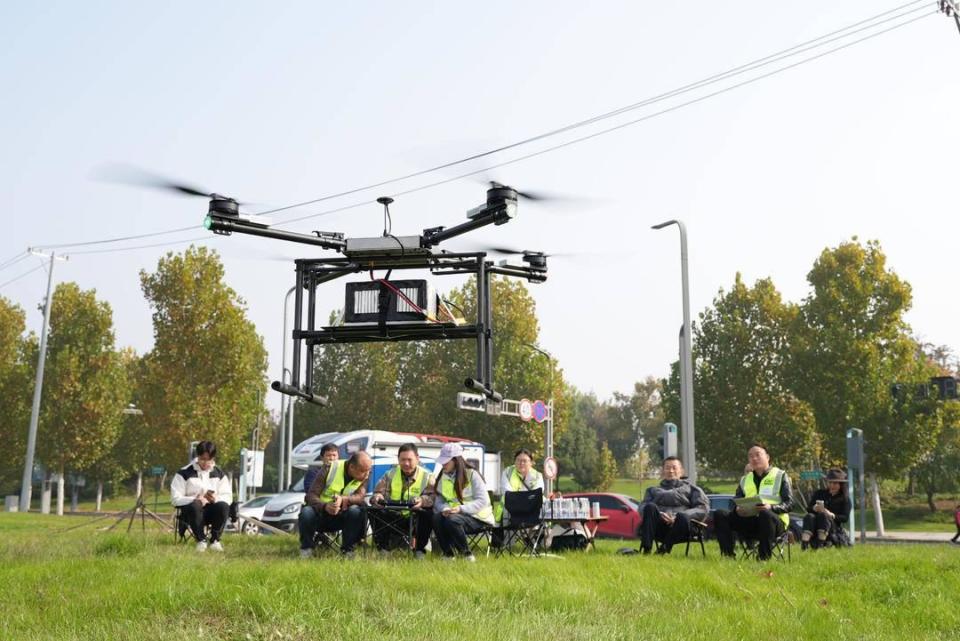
x=764 y=528
x=452 y=532
x=198 y=516
x=351 y=523
x=654 y=529
x=387 y=525
x=957 y=535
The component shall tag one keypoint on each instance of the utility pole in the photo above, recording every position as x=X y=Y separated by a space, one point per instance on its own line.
x=26 y=484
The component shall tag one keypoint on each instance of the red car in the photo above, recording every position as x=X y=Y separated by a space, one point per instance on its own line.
x=622 y=512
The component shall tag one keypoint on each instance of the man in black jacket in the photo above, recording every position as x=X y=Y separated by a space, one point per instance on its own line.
x=668 y=508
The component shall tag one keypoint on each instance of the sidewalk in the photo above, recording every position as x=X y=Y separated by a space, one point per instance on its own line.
x=901 y=536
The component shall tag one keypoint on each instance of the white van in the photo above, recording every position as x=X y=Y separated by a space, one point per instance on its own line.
x=283 y=509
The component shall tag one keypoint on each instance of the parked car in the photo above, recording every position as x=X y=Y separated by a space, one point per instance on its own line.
x=622 y=512
x=253 y=508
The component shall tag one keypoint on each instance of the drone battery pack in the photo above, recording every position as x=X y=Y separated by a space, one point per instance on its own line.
x=370 y=303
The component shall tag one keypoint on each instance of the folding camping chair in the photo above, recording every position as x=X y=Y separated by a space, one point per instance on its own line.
x=389 y=524
x=525 y=526
x=750 y=547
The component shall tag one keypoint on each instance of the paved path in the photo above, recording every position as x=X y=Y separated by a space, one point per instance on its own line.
x=901 y=536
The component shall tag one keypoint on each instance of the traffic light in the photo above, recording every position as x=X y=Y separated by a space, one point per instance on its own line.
x=946 y=387
x=668 y=441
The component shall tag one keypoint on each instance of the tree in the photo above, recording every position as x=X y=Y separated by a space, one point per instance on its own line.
x=741 y=349
x=939 y=470
x=84 y=381
x=608 y=469
x=577 y=450
x=851 y=344
x=201 y=379
x=16 y=390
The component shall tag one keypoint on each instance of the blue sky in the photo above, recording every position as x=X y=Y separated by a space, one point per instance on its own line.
x=283 y=102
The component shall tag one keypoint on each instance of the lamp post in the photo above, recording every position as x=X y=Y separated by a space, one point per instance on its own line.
x=26 y=486
x=283 y=397
x=548 y=436
x=686 y=361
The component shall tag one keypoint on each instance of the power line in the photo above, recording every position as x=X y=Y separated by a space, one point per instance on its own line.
x=751 y=66
x=760 y=62
x=10 y=262
x=615 y=128
x=26 y=273
x=120 y=238
x=122 y=249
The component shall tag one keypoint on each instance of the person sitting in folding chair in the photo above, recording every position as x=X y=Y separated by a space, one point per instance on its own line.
x=328 y=454
x=519 y=477
x=461 y=504
x=202 y=493
x=827 y=511
x=669 y=507
x=770 y=518
x=407 y=482
x=335 y=503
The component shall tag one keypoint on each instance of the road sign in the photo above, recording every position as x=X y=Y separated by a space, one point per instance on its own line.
x=525 y=409
x=550 y=468
x=157 y=470
x=811 y=475
x=539 y=411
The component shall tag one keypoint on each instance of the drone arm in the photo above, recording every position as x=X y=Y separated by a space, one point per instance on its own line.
x=533 y=275
x=226 y=226
x=435 y=237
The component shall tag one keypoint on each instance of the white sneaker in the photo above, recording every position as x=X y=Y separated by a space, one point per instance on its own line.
x=306 y=553
x=201 y=546
x=419 y=555
x=216 y=546
x=470 y=558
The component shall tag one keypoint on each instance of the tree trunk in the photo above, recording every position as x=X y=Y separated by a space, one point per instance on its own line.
x=74 y=497
x=139 y=483
x=911 y=484
x=60 y=490
x=877 y=511
x=99 y=495
x=45 y=491
x=930 y=503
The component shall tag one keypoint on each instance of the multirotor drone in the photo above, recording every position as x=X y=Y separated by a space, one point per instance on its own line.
x=382 y=310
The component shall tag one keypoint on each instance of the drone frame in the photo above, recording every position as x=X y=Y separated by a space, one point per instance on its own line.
x=312 y=272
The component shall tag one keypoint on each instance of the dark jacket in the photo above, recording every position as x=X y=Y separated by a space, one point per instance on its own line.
x=678 y=496
x=836 y=503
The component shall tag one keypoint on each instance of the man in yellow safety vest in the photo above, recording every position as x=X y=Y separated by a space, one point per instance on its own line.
x=764 y=521
x=335 y=503
x=406 y=482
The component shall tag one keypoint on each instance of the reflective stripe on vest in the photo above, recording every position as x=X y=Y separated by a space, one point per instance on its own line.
x=769 y=490
x=336 y=482
x=449 y=494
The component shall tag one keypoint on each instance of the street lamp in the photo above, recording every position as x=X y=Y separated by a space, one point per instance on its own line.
x=686 y=361
x=26 y=486
x=283 y=397
x=548 y=437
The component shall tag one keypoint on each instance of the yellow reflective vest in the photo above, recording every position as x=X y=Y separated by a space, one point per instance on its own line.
x=336 y=482
x=449 y=493
x=769 y=490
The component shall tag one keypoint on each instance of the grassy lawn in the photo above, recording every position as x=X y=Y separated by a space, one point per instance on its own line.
x=87 y=584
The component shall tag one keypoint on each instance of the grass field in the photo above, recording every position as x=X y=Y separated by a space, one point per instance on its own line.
x=87 y=584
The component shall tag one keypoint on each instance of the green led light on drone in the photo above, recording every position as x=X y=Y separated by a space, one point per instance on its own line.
x=208 y=222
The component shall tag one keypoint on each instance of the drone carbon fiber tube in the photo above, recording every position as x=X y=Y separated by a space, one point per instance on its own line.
x=222 y=225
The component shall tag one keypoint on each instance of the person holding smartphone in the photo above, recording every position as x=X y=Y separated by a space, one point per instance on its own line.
x=827 y=511
x=203 y=494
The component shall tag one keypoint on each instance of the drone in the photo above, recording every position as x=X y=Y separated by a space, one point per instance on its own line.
x=383 y=310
